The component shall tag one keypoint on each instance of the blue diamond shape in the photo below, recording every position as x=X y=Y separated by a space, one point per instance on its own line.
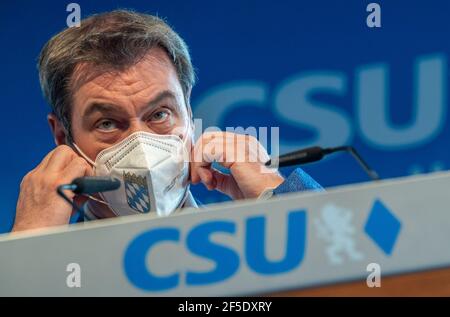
x=383 y=227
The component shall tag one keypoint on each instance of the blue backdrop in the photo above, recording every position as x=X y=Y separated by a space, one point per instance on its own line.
x=312 y=68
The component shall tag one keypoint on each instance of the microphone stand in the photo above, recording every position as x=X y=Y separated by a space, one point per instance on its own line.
x=87 y=185
x=316 y=153
x=72 y=187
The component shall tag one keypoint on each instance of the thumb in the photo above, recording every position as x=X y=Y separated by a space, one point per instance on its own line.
x=206 y=177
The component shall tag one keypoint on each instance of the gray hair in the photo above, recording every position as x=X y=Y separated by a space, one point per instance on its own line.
x=113 y=41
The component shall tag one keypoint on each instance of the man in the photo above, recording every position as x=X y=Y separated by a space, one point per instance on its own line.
x=119 y=87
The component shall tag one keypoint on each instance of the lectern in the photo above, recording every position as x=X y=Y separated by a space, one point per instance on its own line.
x=346 y=241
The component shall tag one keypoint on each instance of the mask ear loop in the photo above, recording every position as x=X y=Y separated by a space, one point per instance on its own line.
x=83 y=155
x=93 y=166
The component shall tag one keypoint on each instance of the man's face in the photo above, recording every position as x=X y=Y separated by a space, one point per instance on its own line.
x=145 y=97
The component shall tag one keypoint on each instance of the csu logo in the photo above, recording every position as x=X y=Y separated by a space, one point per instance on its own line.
x=227 y=259
x=294 y=103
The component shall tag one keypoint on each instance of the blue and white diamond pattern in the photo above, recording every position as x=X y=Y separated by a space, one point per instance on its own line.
x=137 y=197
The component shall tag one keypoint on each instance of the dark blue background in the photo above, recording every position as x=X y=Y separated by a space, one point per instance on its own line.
x=257 y=41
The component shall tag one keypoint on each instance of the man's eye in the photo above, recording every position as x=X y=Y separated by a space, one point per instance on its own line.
x=159 y=116
x=106 y=125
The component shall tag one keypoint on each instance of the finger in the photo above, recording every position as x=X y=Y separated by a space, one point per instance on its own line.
x=217 y=147
x=197 y=158
x=243 y=149
x=195 y=179
x=89 y=170
x=202 y=160
x=207 y=151
x=206 y=177
x=78 y=167
x=60 y=159
x=226 y=184
x=228 y=148
x=46 y=159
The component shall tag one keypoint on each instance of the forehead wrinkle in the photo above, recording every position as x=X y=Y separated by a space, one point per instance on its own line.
x=117 y=85
x=134 y=81
x=85 y=71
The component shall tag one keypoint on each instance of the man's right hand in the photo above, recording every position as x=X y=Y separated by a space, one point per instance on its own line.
x=39 y=205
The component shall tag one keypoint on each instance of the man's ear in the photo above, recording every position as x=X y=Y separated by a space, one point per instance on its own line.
x=58 y=131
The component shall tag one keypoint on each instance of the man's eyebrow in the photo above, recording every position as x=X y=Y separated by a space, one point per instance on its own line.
x=161 y=96
x=105 y=108
x=100 y=107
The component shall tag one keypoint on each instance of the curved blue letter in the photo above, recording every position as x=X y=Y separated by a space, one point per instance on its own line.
x=227 y=261
x=255 y=244
x=135 y=255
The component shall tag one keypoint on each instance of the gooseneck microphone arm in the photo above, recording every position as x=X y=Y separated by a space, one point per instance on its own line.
x=316 y=153
x=87 y=185
x=60 y=192
x=350 y=149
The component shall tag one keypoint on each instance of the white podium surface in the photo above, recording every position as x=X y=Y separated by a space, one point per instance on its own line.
x=240 y=248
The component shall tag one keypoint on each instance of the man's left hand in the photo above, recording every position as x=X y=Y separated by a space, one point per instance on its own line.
x=243 y=155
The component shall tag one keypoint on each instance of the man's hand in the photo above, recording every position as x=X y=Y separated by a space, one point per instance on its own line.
x=39 y=205
x=243 y=155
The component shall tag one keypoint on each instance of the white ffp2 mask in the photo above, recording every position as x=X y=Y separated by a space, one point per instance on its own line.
x=153 y=170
